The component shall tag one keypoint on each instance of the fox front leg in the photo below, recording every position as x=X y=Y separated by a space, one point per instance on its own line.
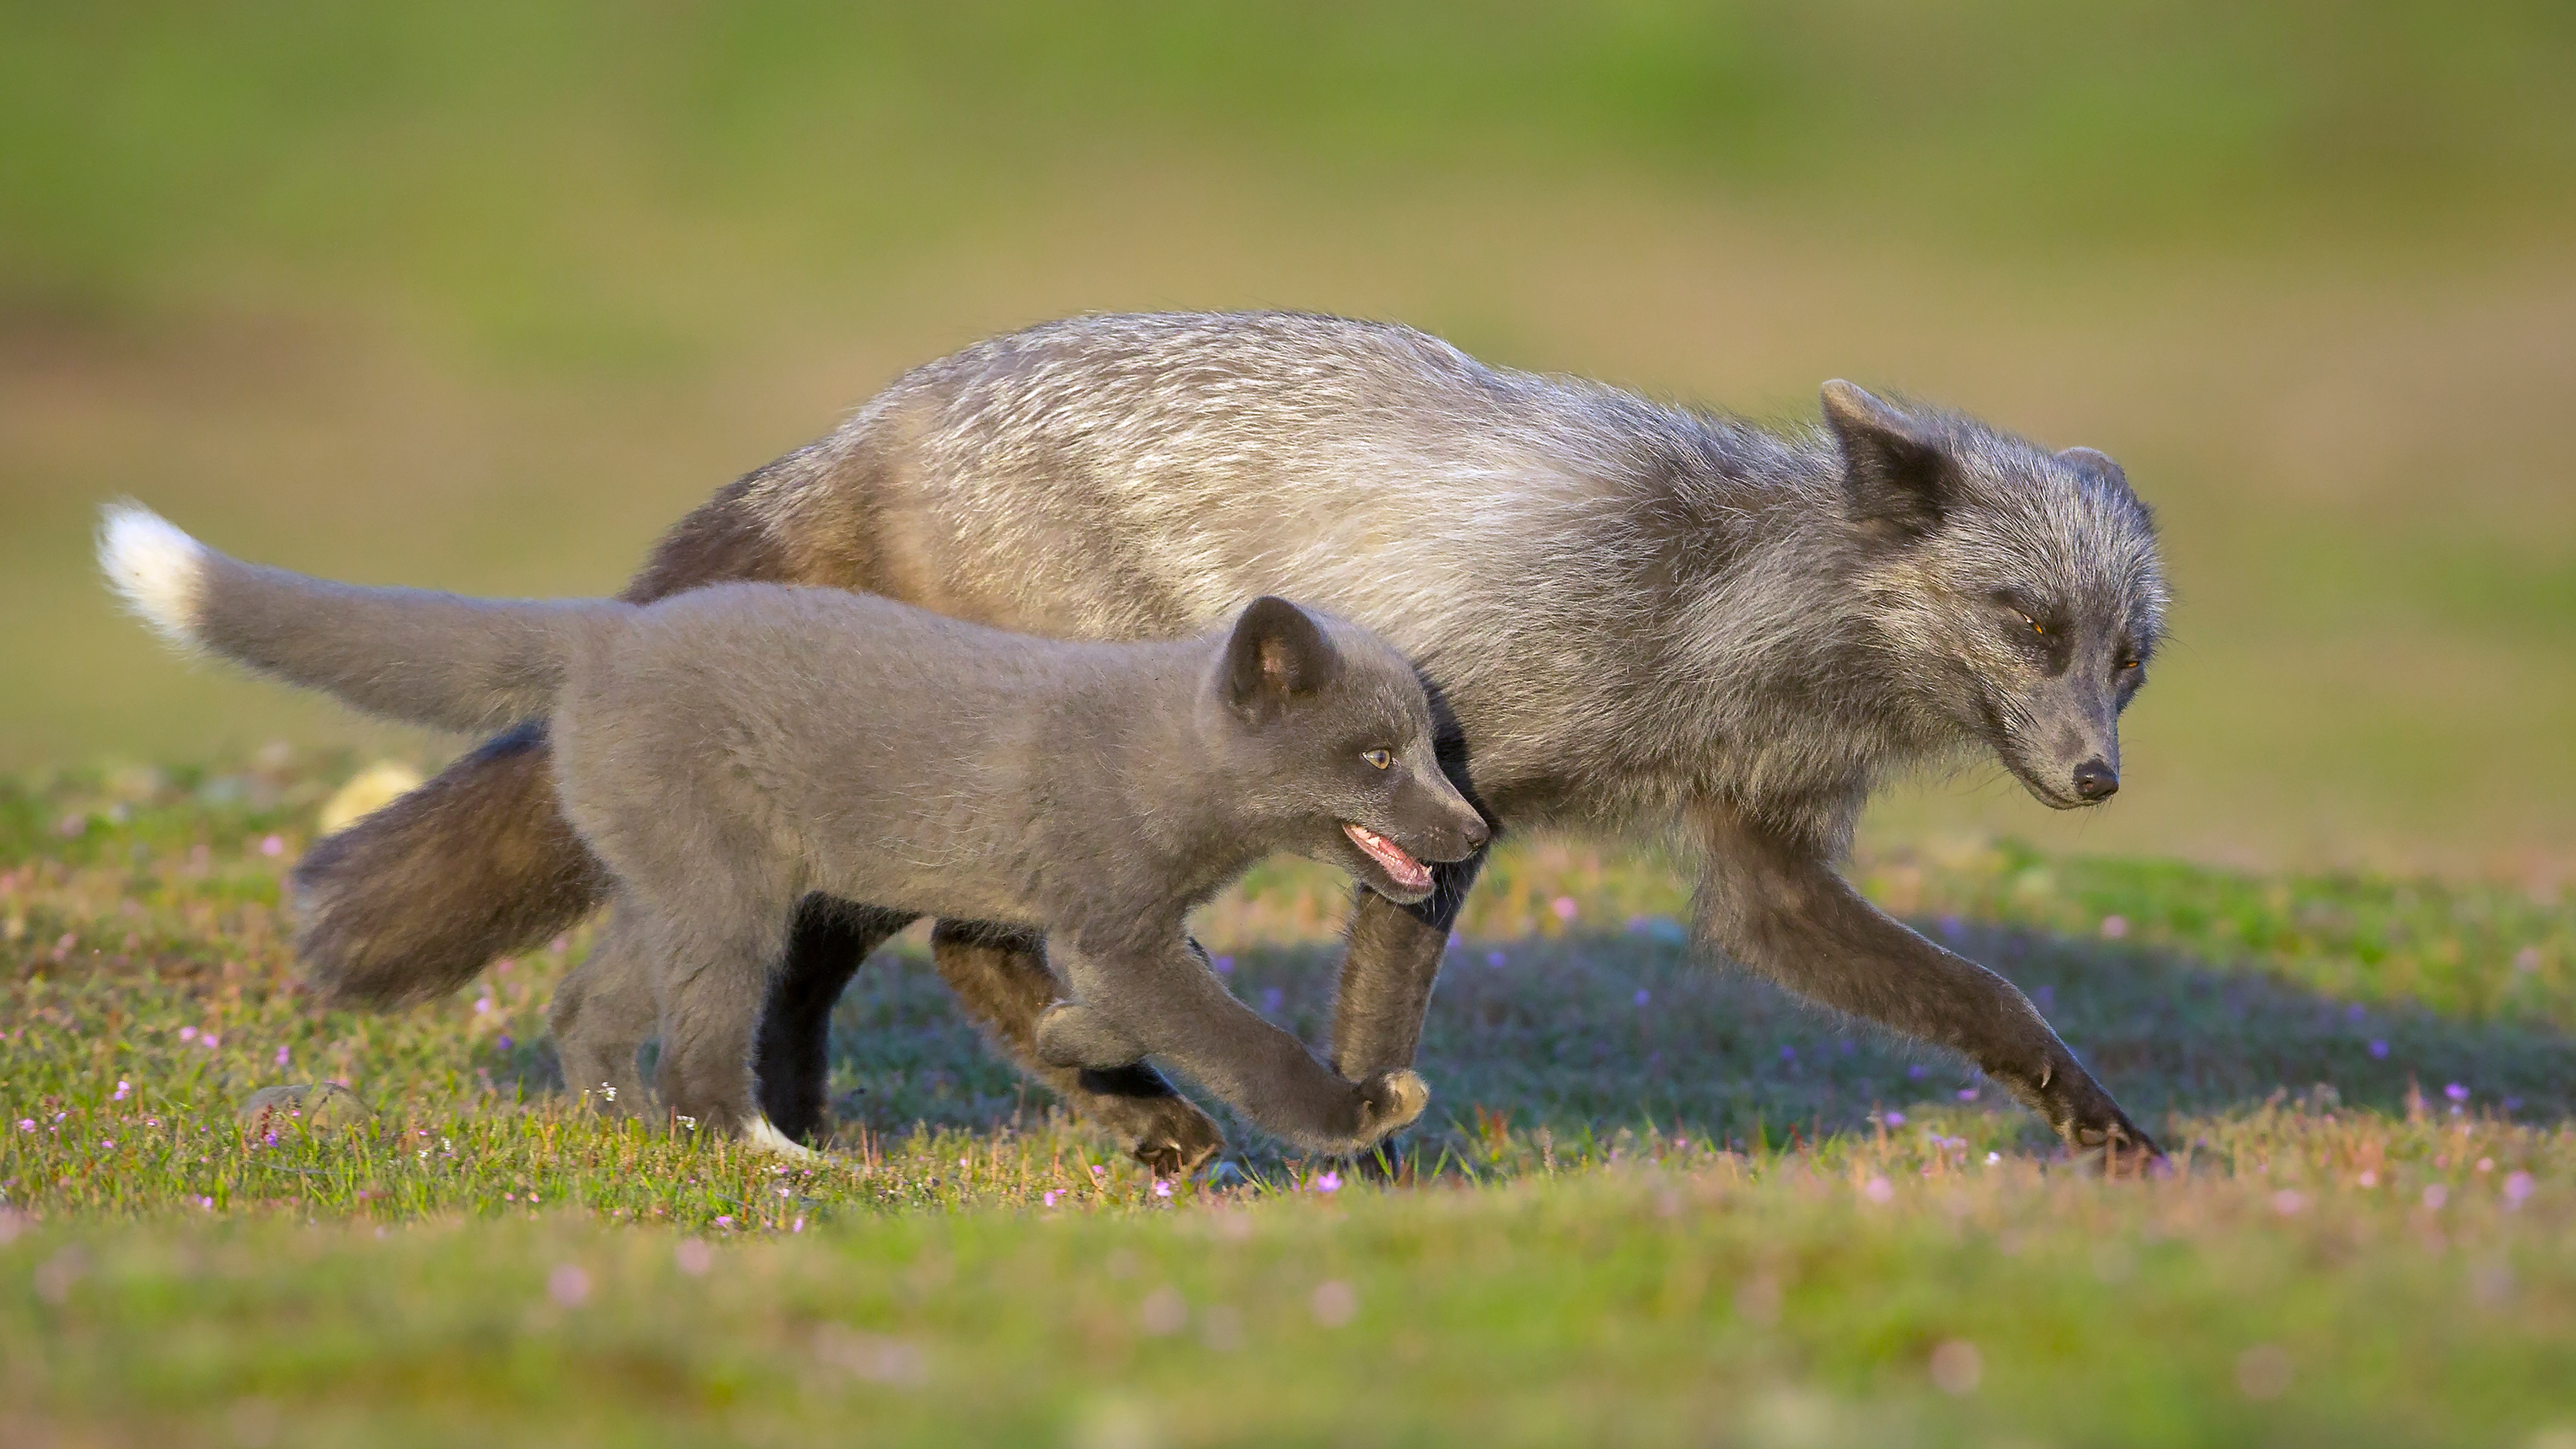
x=1777 y=906
x=1165 y=1003
x=1000 y=976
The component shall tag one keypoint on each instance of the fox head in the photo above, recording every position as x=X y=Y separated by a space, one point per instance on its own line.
x=2017 y=592
x=1327 y=733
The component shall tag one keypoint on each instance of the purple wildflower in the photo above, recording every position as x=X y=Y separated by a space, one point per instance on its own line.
x=272 y=847
x=2456 y=1092
x=2379 y=1049
x=1564 y=907
x=1328 y=1182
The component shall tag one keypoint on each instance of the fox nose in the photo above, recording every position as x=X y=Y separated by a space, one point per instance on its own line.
x=1475 y=833
x=2096 y=780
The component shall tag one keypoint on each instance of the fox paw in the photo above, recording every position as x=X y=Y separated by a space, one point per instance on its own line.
x=2119 y=1150
x=1390 y=1101
x=1179 y=1141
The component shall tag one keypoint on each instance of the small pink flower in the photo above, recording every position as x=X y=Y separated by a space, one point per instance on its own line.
x=800 y=1226
x=2114 y=927
x=1564 y=907
x=210 y=1041
x=122 y=1087
x=1895 y=1119
x=281 y=1056
x=272 y=847
x=1878 y=1189
x=1098 y=1171
x=725 y=1222
x=1162 y=1188
x=1328 y=1182
x=2287 y=1202
x=2456 y=1092
x=187 y=1033
x=26 y=1124
x=1050 y=1199
x=2516 y=1188
x=107 y=1142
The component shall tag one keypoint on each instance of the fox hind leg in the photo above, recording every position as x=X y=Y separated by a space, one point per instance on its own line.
x=603 y=1013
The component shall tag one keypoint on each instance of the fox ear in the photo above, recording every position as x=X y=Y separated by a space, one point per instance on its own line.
x=2095 y=465
x=1896 y=474
x=1277 y=651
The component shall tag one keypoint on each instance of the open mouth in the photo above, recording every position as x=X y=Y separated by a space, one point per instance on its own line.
x=1399 y=865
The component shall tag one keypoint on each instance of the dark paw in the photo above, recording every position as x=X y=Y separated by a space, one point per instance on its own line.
x=1177 y=1138
x=2119 y=1150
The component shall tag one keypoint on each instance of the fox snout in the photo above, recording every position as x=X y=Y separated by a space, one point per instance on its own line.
x=2063 y=744
x=1447 y=829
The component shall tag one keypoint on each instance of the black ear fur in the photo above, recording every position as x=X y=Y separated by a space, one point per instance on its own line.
x=1896 y=474
x=1277 y=651
x=2096 y=465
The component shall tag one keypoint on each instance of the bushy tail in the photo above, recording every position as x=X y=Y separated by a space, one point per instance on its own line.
x=408 y=654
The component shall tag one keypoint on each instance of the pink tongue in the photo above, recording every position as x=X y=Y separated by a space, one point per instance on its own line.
x=1407 y=871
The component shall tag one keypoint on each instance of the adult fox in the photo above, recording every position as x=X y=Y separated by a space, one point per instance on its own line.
x=1631 y=618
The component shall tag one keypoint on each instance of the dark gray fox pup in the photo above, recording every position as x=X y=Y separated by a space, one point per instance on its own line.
x=727 y=751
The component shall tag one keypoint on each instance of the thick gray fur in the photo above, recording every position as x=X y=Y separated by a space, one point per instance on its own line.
x=730 y=751
x=1634 y=618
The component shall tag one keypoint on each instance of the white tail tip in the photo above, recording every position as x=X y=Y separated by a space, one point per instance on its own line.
x=160 y=571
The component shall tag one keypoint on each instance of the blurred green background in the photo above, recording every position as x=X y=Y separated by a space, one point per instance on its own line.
x=484 y=295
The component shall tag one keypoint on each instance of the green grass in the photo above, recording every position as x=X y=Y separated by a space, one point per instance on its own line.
x=1654 y=1202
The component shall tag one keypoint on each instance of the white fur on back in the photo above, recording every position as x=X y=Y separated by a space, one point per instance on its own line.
x=159 y=570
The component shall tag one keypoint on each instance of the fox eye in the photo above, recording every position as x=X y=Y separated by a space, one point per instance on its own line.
x=1379 y=758
x=2128 y=664
x=2036 y=627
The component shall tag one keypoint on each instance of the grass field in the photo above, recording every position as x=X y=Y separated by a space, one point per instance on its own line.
x=482 y=295
x=1654 y=1202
